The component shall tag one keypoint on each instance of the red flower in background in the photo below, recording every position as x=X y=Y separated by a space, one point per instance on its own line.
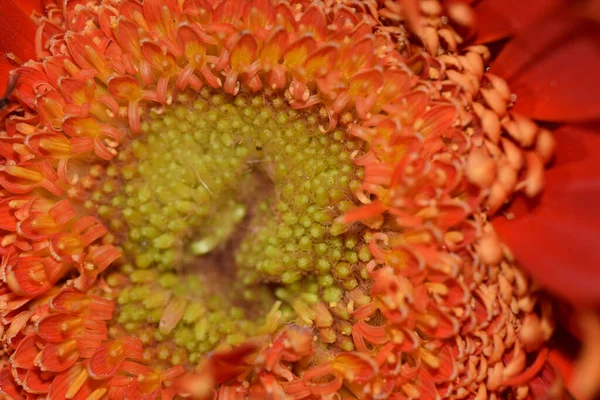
x=547 y=51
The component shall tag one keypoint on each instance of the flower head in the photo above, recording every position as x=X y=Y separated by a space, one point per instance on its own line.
x=266 y=199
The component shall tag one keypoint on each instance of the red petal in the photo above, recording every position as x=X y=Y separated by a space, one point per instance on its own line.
x=531 y=371
x=409 y=107
x=89 y=229
x=17 y=32
x=62 y=383
x=160 y=15
x=314 y=21
x=355 y=367
x=59 y=357
x=226 y=364
x=448 y=368
x=108 y=359
x=102 y=257
x=438 y=120
x=328 y=380
x=32 y=276
x=556 y=238
x=243 y=52
x=364 y=211
x=550 y=66
x=441 y=326
x=58 y=327
x=101 y=309
x=228 y=11
x=258 y=14
x=497 y=19
x=426 y=385
x=373 y=334
x=70 y=301
x=8 y=220
x=321 y=61
x=297 y=52
x=62 y=212
x=8 y=386
x=25 y=354
x=36 y=383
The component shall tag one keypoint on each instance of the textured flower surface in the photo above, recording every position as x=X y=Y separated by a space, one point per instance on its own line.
x=260 y=199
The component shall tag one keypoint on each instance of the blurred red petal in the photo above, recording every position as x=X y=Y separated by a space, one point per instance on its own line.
x=8 y=386
x=28 y=6
x=498 y=19
x=17 y=33
x=550 y=65
x=556 y=239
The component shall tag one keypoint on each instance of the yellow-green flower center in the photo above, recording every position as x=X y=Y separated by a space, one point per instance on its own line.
x=240 y=192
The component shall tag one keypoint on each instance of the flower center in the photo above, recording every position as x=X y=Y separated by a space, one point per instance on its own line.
x=240 y=192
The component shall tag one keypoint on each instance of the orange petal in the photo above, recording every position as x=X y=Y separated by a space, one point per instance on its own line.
x=62 y=383
x=355 y=367
x=328 y=380
x=224 y=365
x=59 y=357
x=29 y=83
x=58 y=327
x=159 y=58
x=228 y=11
x=25 y=354
x=86 y=54
x=438 y=119
x=364 y=211
x=273 y=48
x=284 y=17
x=36 y=383
x=395 y=84
x=32 y=276
x=51 y=145
x=126 y=34
x=321 y=61
x=409 y=107
x=437 y=324
x=89 y=229
x=160 y=15
x=258 y=14
x=314 y=21
x=555 y=237
x=373 y=335
x=8 y=386
x=97 y=260
x=201 y=9
x=108 y=359
x=8 y=220
x=72 y=301
x=243 y=52
x=297 y=52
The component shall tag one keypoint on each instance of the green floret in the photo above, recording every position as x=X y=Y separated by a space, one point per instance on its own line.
x=242 y=189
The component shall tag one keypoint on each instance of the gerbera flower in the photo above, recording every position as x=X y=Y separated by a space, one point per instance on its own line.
x=282 y=199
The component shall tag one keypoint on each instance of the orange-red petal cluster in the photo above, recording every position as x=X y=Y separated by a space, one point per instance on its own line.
x=450 y=315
